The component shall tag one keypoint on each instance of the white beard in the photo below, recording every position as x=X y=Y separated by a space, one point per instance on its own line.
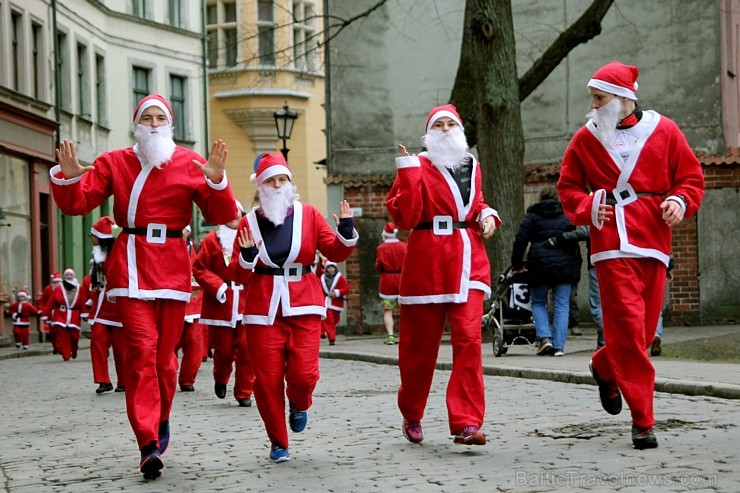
x=226 y=236
x=155 y=144
x=606 y=119
x=446 y=149
x=275 y=202
x=99 y=255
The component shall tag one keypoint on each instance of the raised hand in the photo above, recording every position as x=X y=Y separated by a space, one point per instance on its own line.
x=67 y=158
x=245 y=238
x=216 y=165
x=403 y=150
x=344 y=211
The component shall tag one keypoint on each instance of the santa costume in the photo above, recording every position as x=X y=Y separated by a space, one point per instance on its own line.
x=148 y=268
x=335 y=289
x=647 y=162
x=55 y=280
x=223 y=304
x=65 y=312
x=106 y=329
x=389 y=258
x=191 y=340
x=21 y=311
x=446 y=276
x=285 y=302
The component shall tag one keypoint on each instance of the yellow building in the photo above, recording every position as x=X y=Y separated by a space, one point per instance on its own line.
x=263 y=54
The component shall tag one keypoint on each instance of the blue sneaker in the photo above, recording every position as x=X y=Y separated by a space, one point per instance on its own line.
x=279 y=454
x=297 y=419
x=164 y=435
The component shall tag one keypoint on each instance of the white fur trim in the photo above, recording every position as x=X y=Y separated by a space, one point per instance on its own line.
x=352 y=241
x=612 y=89
x=221 y=294
x=99 y=234
x=408 y=162
x=680 y=202
x=220 y=185
x=148 y=104
x=149 y=294
x=598 y=198
x=274 y=170
x=62 y=181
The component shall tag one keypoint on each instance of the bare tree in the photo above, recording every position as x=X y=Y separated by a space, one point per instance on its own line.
x=488 y=92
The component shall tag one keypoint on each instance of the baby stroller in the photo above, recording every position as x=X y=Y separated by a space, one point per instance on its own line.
x=510 y=317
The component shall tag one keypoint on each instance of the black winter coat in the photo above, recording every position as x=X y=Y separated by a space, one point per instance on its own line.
x=546 y=266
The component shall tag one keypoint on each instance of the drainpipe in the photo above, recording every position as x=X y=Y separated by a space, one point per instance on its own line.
x=327 y=92
x=206 y=119
x=57 y=103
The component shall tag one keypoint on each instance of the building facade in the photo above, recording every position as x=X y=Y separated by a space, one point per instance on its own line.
x=688 y=60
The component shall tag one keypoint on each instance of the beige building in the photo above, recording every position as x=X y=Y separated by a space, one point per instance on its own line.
x=263 y=54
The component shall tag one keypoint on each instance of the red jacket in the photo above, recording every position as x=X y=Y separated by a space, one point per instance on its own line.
x=339 y=288
x=154 y=266
x=439 y=268
x=21 y=313
x=389 y=257
x=301 y=296
x=223 y=299
x=66 y=313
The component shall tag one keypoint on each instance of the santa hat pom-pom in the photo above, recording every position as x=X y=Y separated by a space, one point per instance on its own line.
x=253 y=178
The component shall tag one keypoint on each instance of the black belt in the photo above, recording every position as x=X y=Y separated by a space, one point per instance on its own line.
x=611 y=200
x=171 y=233
x=280 y=271
x=455 y=225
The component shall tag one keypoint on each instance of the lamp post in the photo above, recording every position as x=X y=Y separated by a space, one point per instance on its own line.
x=284 y=119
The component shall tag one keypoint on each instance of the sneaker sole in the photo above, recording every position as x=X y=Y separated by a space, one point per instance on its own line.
x=280 y=459
x=476 y=439
x=617 y=409
x=151 y=468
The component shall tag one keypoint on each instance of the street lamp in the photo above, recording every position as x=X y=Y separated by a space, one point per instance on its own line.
x=284 y=120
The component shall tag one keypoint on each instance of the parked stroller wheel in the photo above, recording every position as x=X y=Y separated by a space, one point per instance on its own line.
x=498 y=344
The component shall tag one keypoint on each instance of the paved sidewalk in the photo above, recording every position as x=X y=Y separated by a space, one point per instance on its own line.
x=672 y=376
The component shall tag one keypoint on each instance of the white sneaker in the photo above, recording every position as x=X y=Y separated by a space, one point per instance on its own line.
x=559 y=353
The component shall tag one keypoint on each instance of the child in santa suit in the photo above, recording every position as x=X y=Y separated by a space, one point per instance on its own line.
x=21 y=311
x=223 y=304
x=389 y=258
x=66 y=307
x=335 y=288
x=277 y=243
x=631 y=175
x=106 y=329
x=55 y=280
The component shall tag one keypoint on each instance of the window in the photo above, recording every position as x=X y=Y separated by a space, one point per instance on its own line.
x=141 y=83
x=139 y=8
x=16 y=60
x=15 y=202
x=304 y=33
x=223 y=40
x=100 y=106
x=177 y=102
x=174 y=12
x=83 y=82
x=63 y=70
x=37 y=64
x=266 y=32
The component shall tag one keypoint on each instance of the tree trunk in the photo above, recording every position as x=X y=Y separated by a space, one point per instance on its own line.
x=488 y=65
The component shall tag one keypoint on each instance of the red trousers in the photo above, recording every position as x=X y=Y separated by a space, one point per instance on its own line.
x=329 y=324
x=53 y=337
x=21 y=334
x=153 y=329
x=422 y=327
x=102 y=338
x=632 y=291
x=68 y=340
x=191 y=343
x=206 y=341
x=230 y=347
x=287 y=351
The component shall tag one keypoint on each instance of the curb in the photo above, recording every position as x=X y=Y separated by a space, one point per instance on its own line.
x=684 y=387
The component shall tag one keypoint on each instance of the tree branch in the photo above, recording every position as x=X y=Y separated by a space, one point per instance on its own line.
x=587 y=27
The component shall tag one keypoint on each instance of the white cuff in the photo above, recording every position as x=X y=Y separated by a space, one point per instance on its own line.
x=350 y=243
x=221 y=294
x=680 y=201
x=598 y=199
x=247 y=265
x=336 y=293
x=408 y=162
x=62 y=181
x=218 y=186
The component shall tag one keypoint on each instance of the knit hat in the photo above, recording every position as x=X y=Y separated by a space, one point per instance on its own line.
x=103 y=227
x=56 y=277
x=153 y=100
x=23 y=293
x=616 y=78
x=446 y=110
x=389 y=231
x=270 y=164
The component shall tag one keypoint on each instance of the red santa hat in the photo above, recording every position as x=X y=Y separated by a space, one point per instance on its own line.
x=616 y=78
x=329 y=263
x=389 y=231
x=270 y=164
x=56 y=277
x=153 y=100
x=103 y=227
x=69 y=270
x=446 y=110
x=23 y=293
